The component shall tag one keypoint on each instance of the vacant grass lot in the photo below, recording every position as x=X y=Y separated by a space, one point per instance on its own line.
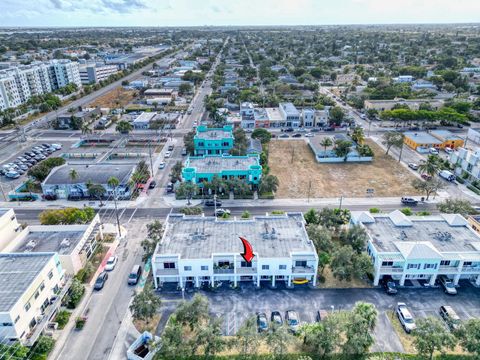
x=294 y=164
x=118 y=97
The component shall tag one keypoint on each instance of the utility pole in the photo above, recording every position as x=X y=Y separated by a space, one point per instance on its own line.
x=150 y=155
x=341 y=200
x=401 y=150
x=116 y=211
x=309 y=189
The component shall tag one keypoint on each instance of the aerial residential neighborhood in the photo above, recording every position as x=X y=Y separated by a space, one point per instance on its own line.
x=239 y=180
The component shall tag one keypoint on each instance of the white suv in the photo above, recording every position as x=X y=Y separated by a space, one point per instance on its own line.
x=405 y=317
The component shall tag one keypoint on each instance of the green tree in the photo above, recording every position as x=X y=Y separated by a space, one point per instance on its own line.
x=268 y=184
x=355 y=236
x=342 y=149
x=323 y=338
x=358 y=135
x=187 y=189
x=358 y=333
x=326 y=142
x=392 y=138
x=154 y=235
x=347 y=264
x=430 y=336
x=278 y=339
x=321 y=237
x=43 y=346
x=311 y=217
x=469 y=336
x=211 y=339
x=193 y=312
x=176 y=172
x=336 y=115
x=145 y=304
x=247 y=338
x=246 y=214
x=428 y=187
x=262 y=134
x=97 y=191
x=73 y=175
x=240 y=142
x=75 y=293
x=173 y=344
x=188 y=141
x=185 y=88
x=456 y=206
x=432 y=166
x=124 y=127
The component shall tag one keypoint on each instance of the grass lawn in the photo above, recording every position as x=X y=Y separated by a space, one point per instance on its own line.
x=294 y=164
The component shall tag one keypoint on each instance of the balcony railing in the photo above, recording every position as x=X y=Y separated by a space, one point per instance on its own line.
x=246 y=270
x=391 y=269
x=167 y=272
x=303 y=269
x=223 y=271
x=470 y=268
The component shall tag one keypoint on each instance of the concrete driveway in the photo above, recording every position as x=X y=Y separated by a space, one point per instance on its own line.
x=234 y=306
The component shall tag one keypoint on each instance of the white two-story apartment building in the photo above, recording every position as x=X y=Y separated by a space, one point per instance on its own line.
x=421 y=248
x=199 y=249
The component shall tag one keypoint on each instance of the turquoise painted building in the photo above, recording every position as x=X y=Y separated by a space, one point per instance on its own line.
x=213 y=141
x=198 y=169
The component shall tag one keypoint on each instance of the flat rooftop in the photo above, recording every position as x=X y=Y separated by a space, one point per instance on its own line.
x=435 y=230
x=62 y=242
x=196 y=237
x=445 y=134
x=214 y=134
x=216 y=164
x=96 y=173
x=422 y=138
x=274 y=114
x=17 y=272
x=290 y=109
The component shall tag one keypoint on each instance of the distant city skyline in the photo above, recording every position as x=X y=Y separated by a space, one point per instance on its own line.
x=234 y=12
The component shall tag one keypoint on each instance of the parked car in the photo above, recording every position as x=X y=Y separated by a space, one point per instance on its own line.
x=413 y=166
x=289 y=130
x=276 y=318
x=447 y=285
x=161 y=165
x=409 y=201
x=221 y=212
x=111 y=262
x=314 y=130
x=331 y=128
x=184 y=152
x=100 y=282
x=49 y=197
x=167 y=154
x=211 y=202
x=297 y=135
x=433 y=151
x=447 y=175
x=310 y=134
x=262 y=322
x=23 y=167
x=405 y=317
x=152 y=184
x=450 y=317
x=12 y=174
x=283 y=136
x=426 y=177
x=389 y=285
x=57 y=146
x=449 y=150
x=134 y=275
x=170 y=148
x=292 y=320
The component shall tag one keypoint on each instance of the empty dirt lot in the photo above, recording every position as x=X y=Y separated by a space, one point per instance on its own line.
x=384 y=174
x=118 y=97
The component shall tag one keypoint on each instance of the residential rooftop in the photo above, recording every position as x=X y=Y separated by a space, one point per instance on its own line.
x=62 y=242
x=290 y=109
x=446 y=232
x=96 y=173
x=445 y=134
x=197 y=237
x=17 y=272
x=214 y=133
x=218 y=163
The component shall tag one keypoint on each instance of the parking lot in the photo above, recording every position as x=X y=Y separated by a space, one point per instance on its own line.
x=234 y=306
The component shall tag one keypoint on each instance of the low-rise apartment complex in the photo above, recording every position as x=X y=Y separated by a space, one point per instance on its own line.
x=421 y=248
x=413 y=104
x=94 y=73
x=213 y=141
x=197 y=249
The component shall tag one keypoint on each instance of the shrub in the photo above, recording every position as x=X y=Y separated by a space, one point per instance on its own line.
x=62 y=318
x=407 y=211
x=80 y=323
x=246 y=214
x=374 y=210
x=278 y=212
x=473 y=188
x=196 y=210
x=423 y=213
x=460 y=180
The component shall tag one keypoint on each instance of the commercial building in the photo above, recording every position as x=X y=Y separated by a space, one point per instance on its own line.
x=143 y=120
x=421 y=248
x=290 y=114
x=403 y=79
x=213 y=141
x=198 y=169
x=32 y=287
x=74 y=244
x=94 y=73
x=198 y=249
x=439 y=139
x=59 y=182
x=413 y=104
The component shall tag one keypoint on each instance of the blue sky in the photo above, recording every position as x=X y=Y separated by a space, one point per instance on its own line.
x=233 y=12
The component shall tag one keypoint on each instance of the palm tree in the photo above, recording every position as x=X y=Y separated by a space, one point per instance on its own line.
x=73 y=175
x=96 y=190
x=29 y=185
x=326 y=142
x=432 y=166
x=269 y=183
x=358 y=135
x=85 y=129
x=367 y=312
x=124 y=127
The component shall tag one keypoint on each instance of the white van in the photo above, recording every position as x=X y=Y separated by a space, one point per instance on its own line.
x=447 y=175
x=448 y=150
x=433 y=151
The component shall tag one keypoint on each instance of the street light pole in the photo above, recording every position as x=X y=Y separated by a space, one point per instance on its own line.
x=116 y=211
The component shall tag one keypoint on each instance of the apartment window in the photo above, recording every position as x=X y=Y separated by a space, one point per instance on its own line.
x=204 y=267
x=27 y=306
x=282 y=267
x=245 y=264
x=17 y=318
x=301 y=263
x=467 y=263
x=387 y=263
x=265 y=267
x=169 y=265
x=37 y=294
x=413 y=266
x=187 y=268
x=42 y=286
x=429 y=266
x=445 y=263
x=50 y=274
x=223 y=264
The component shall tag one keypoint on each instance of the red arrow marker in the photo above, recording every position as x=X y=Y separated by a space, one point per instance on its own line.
x=247 y=250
